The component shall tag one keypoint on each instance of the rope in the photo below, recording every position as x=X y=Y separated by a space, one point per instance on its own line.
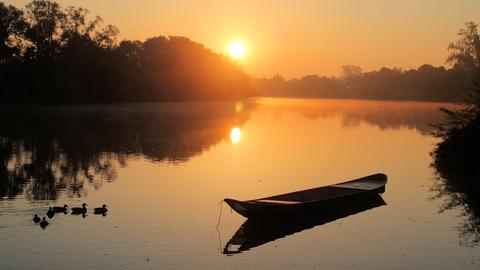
x=220 y=214
x=218 y=223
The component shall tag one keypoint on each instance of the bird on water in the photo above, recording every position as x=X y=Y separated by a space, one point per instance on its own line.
x=50 y=213
x=44 y=223
x=36 y=219
x=100 y=210
x=60 y=209
x=79 y=210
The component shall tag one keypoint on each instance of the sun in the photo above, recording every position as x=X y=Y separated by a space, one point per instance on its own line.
x=235 y=135
x=236 y=49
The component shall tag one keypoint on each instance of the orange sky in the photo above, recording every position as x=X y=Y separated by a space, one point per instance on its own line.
x=294 y=38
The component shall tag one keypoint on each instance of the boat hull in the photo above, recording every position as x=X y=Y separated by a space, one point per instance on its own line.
x=281 y=206
x=256 y=232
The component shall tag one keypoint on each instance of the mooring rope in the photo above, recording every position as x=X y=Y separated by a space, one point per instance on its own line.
x=218 y=223
x=220 y=214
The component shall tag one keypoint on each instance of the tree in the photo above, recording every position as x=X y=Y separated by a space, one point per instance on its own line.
x=11 y=25
x=459 y=150
x=107 y=37
x=44 y=19
x=465 y=52
x=51 y=27
x=351 y=72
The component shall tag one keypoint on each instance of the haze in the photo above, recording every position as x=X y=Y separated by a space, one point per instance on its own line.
x=294 y=38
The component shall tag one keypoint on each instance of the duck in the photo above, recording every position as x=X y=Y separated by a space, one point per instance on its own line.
x=79 y=210
x=50 y=213
x=44 y=223
x=100 y=210
x=60 y=209
x=36 y=218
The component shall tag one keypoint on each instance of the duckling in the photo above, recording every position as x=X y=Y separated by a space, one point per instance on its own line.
x=36 y=219
x=59 y=209
x=44 y=223
x=79 y=210
x=50 y=213
x=100 y=210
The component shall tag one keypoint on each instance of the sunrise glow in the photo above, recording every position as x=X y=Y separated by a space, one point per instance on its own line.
x=236 y=49
x=235 y=135
x=238 y=134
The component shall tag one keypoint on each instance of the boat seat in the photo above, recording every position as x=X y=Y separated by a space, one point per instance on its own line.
x=275 y=202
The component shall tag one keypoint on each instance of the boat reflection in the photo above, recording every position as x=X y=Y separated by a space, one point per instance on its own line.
x=255 y=232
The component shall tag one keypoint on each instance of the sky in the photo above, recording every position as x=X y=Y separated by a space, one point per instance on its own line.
x=294 y=38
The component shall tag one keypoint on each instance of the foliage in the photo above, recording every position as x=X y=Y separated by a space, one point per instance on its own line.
x=457 y=156
x=51 y=54
x=464 y=53
x=11 y=25
x=427 y=83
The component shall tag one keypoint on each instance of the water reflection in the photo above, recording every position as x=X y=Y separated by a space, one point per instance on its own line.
x=253 y=233
x=459 y=188
x=47 y=150
x=383 y=114
x=166 y=213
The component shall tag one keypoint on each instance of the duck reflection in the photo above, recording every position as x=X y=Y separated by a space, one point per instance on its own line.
x=48 y=150
x=254 y=232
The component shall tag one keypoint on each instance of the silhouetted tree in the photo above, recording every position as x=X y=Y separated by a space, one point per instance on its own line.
x=352 y=75
x=43 y=34
x=11 y=25
x=63 y=56
x=427 y=83
x=465 y=52
x=457 y=156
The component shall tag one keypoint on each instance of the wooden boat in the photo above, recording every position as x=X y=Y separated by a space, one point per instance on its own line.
x=256 y=232
x=316 y=200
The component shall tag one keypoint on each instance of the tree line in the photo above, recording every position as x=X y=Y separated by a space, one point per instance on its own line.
x=426 y=83
x=52 y=54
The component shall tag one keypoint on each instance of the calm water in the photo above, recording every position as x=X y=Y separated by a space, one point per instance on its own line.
x=163 y=168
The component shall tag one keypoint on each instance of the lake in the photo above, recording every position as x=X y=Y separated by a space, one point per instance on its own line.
x=162 y=170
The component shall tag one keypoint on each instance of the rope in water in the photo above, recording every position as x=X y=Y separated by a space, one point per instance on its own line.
x=220 y=214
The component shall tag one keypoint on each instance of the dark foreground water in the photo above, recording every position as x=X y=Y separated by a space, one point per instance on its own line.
x=163 y=168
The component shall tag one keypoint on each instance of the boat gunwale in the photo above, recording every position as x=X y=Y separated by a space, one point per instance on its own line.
x=382 y=178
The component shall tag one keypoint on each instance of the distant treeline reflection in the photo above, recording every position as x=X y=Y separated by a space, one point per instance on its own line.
x=46 y=150
x=383 y=114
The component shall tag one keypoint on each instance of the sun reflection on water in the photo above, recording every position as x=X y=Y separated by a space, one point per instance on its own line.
x=239 y=106
x=235 y=135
